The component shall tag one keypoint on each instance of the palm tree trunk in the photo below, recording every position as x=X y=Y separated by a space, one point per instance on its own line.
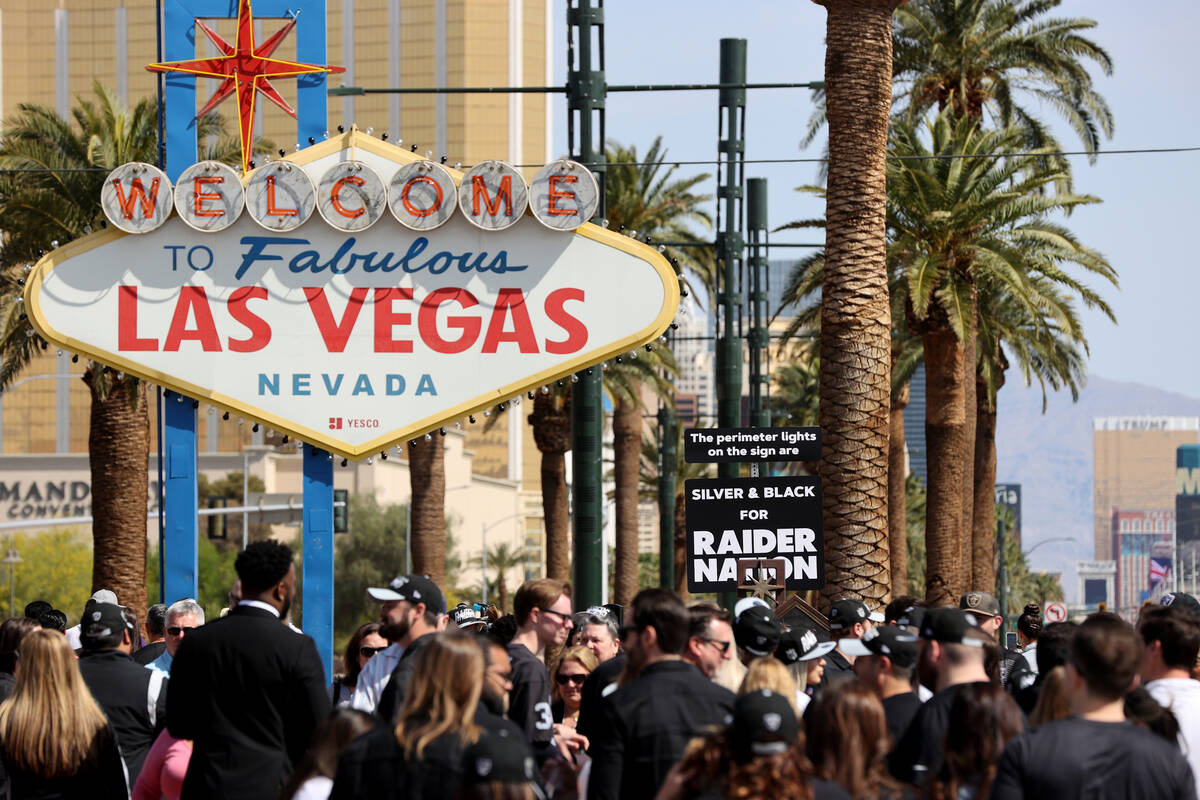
x=627 y=452
x=945 y=434
x=983 y=534
x=427 y=477
x=502 y=591
x=551 y=421
x=968 y=459
x=897 y=522
x=681 y=547
x=118 y=451
x=855 y=385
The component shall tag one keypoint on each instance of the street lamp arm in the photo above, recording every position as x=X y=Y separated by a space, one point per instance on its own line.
x=1049 y=541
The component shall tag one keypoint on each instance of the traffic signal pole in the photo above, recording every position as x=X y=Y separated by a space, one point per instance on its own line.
x=731 y=149
x=585 y=133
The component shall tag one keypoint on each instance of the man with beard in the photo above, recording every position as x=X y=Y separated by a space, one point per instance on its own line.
x=394 y=614
x=247 y=690
x=647 y=724
x=420 y=612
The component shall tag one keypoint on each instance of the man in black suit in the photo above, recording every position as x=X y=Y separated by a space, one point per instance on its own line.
x=246 y=689
x=646 y=724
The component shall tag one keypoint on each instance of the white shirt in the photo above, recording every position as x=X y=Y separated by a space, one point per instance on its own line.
x=1030 y=653
x=1182 y=696
x=260 y=604
x=317 y=787
x=374 y=677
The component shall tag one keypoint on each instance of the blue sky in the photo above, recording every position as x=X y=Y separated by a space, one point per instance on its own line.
x=1146 y=225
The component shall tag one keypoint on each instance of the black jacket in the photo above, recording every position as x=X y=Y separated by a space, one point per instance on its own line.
x=392 y=698
x=133 y=698
x=374 y=767
x=248 y=691
x=103 y=780
x=646 y=725
x=596 y=687
x=149 y=653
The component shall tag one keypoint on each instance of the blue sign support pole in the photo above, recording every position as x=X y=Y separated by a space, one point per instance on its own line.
x=179 y=96
x=318 y=553
x=180 y=542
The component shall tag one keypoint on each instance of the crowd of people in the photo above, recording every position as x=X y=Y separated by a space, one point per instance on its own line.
x=658 y=700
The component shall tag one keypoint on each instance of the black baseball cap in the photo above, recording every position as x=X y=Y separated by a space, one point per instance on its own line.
x=414 y=589
x=847 y=611
x=101 y=620
x=803 y=644
x=764 y=724
x=757 y=630
x=884 y=640
x=1183 y=601
x=498 y=757
x=912 y=617
x=952 y=626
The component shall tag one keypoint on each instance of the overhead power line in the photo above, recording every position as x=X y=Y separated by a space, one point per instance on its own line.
x=711 y=161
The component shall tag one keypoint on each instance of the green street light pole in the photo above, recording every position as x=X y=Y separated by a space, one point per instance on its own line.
x=731 y=149
x=759 y=339
x=585 y=133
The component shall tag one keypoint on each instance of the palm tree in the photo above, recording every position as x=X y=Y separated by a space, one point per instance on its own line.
x=958 y=223
x=502 y=558
x=1050 y=349
x=643 y=195
x=993 y=56
x=52 y=197
x=644 y=198
x=624 y=381
x=427 y=482
x=855 y=316
x=551 y=421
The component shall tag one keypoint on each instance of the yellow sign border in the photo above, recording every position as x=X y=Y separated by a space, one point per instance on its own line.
x=348 y=141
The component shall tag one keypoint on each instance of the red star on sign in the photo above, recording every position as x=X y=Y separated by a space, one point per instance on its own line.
x=246 y=70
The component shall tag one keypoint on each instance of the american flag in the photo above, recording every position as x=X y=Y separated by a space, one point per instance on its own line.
x=1159 y=569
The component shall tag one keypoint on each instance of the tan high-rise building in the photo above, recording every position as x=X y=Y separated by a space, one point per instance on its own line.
x=1134 y=468
x=52 y=52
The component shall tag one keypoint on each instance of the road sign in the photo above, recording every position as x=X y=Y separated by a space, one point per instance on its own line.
x=732 y=520
x=1056 y=612
x=353 y=339
x=725 y=445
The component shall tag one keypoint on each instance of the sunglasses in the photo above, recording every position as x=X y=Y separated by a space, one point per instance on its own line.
x=367 y=652
x=717 y=643
x=562 y=618
x=563 y=680
x=176 y=630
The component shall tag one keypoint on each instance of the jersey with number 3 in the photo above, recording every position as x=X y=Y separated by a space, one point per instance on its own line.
x=529 y=701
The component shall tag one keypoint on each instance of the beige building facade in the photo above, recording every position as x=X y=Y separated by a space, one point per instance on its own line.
x=1133 y=462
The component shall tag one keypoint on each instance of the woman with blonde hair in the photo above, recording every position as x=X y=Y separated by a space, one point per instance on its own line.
x=566 y=687
x=770 y=673
x=421 y=757
x=54 y=739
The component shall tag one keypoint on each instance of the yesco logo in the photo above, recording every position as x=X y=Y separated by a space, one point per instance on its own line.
x=338 y=423
x=350 y=196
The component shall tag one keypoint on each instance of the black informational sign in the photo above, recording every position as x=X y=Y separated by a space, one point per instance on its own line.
x=740 y=519
x=714 y=445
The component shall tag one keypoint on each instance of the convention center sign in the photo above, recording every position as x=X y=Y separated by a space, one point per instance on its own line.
x=352 y=294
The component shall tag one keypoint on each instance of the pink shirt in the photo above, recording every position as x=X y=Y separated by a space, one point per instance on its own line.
x=166 y=764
